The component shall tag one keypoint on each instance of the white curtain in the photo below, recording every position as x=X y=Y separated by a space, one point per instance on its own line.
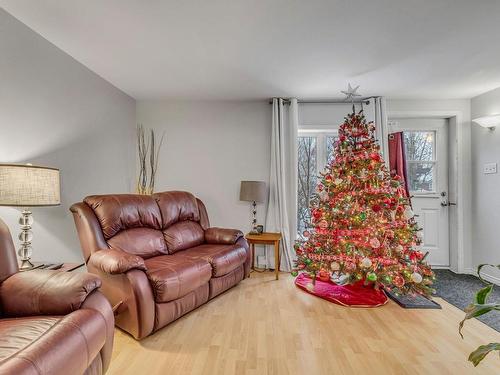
x=381 y=130
x=282 y=210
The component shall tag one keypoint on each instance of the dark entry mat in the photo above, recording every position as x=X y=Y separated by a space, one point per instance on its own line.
x=413 y=302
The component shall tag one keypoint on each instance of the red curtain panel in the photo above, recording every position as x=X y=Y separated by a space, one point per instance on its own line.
x=397 y=158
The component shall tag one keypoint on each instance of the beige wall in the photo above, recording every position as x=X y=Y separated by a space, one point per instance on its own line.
x=210 y=146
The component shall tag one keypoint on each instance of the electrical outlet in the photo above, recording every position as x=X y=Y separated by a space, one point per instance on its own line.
x=490 y=168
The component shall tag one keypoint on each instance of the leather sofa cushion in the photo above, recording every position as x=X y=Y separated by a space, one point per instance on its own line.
x=173 y=276
x=46 y=292
x=144 y=242
x=177 y=206
x=222 y=258
x=219 y=285
x=124 y=211
x=50 y=344
x=183 y=235
x=166 y=313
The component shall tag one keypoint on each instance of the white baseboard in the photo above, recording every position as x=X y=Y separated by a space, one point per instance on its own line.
x=492 y=279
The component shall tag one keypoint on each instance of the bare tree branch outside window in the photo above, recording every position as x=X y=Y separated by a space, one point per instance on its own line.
x=307 y=161
x=307 y=173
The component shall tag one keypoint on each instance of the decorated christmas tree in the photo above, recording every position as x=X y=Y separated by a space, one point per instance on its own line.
x=363 y=230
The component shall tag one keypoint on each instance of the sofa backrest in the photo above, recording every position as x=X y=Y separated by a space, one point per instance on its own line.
x=180 y=220
x=148 y=226
x=130 y=222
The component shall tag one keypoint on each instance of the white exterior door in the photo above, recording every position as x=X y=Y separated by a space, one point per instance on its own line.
x=426 y=147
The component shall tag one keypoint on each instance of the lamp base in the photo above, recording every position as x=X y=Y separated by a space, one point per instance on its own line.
x=26 y=235
x=36 y=265
x=26 y=265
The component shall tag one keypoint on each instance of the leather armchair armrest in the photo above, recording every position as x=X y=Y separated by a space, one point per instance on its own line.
x=222 y=235
x=42 y=292
x=114 y=261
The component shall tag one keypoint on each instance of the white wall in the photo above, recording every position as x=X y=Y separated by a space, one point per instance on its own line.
x=209 y=147
x=485 y=188
x=329 y=115
x=56 y=112
x=435 y=108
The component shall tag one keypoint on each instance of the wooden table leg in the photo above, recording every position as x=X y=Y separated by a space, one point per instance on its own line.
x=277 y=259
x=252 y=252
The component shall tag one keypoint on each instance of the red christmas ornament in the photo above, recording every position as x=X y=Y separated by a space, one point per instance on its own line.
x=324 y=275
x=398 y=281
x=323 y=224
x=317 y=214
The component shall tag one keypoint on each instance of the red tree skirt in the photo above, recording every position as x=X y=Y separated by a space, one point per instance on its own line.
x=356 y=295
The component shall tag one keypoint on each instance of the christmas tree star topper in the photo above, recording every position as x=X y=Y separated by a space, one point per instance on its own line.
x=351 y=93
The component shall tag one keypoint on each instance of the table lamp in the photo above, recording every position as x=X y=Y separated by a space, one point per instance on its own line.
x=253 y=191
x=26 y=185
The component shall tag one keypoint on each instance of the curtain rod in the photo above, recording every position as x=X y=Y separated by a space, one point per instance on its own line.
x=365 y=101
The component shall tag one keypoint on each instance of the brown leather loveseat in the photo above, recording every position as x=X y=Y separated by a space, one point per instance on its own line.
x=157 y=256
x=51 y=322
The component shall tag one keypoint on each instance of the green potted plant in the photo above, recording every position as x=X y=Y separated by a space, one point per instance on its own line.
x=479 y=307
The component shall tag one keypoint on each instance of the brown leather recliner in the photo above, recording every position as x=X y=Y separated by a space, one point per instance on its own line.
x=51 y=322
x=157 y=255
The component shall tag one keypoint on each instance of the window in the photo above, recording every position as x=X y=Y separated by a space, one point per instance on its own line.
x=306 y=179
x=314 y=151
x=420 y=149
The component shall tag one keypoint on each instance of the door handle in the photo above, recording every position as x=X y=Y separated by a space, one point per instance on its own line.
x=447 y=203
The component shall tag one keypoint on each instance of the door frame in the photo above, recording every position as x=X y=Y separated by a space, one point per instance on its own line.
x=458 y=181
x=441 y=155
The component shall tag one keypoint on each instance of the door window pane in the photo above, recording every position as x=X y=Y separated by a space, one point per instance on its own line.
x=420 y=150
x=307 y=161
x=419 y=145
x=421 y=177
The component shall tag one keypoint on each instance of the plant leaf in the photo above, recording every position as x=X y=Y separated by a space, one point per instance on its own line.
x=483 y=294
x=484 y=265
x=482 y=351
x=474 y=310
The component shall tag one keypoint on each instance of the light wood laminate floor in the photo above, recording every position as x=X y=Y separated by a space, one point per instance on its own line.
x=265 y=326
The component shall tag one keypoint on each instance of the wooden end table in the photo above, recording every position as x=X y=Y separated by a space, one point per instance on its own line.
x=266 y=238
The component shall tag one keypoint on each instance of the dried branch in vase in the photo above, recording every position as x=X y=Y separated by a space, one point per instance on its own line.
x=147 y=146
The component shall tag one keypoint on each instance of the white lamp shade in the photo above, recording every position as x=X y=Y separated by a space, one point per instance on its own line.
x=488 y=121
x=29 y=185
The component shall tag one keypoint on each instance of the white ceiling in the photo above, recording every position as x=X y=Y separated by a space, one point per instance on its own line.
x=236 y=49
